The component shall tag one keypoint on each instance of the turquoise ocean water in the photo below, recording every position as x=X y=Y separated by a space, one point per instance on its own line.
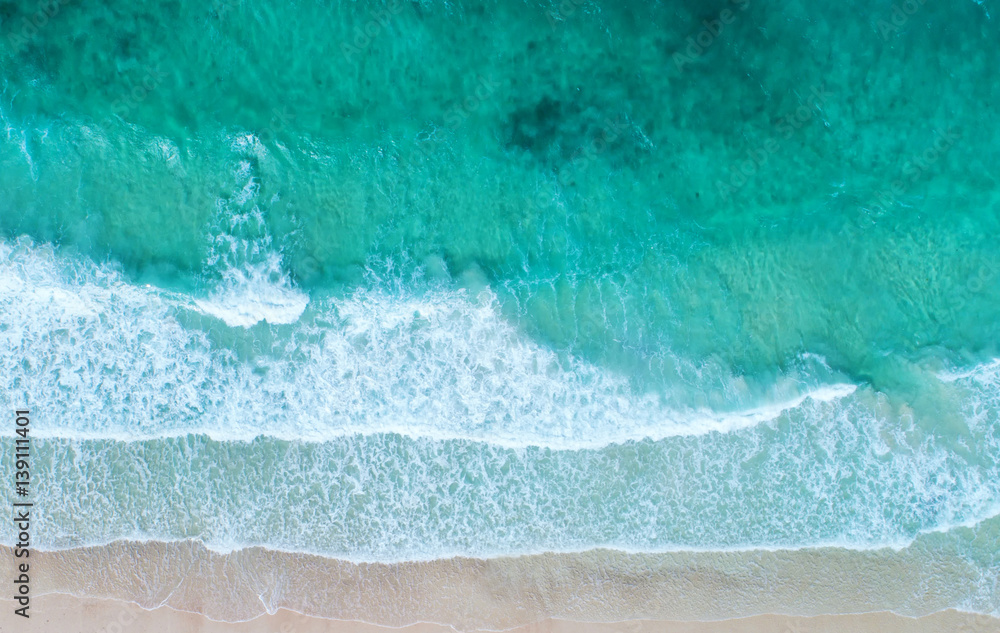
x=401 y=280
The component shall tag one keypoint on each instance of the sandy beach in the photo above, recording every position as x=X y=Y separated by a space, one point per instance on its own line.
x=69 y=614
x=183 y=586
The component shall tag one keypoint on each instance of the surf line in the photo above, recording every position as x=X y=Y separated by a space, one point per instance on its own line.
x=22 y=512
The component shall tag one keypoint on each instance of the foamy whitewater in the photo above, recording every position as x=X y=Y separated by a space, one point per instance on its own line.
x=118 y=361
x=425 y=426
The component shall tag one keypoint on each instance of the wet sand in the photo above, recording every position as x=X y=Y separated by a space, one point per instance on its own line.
x=183 y=584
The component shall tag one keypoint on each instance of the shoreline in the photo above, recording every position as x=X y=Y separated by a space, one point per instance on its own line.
x=57 y=612
x=471 y=594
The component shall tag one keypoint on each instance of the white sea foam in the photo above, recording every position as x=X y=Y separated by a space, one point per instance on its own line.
x=228 y=545
x=252 y=285
x=387 y=498
x=250 y=297
x=106 y=358
x=984 y=371
x=400 y=410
